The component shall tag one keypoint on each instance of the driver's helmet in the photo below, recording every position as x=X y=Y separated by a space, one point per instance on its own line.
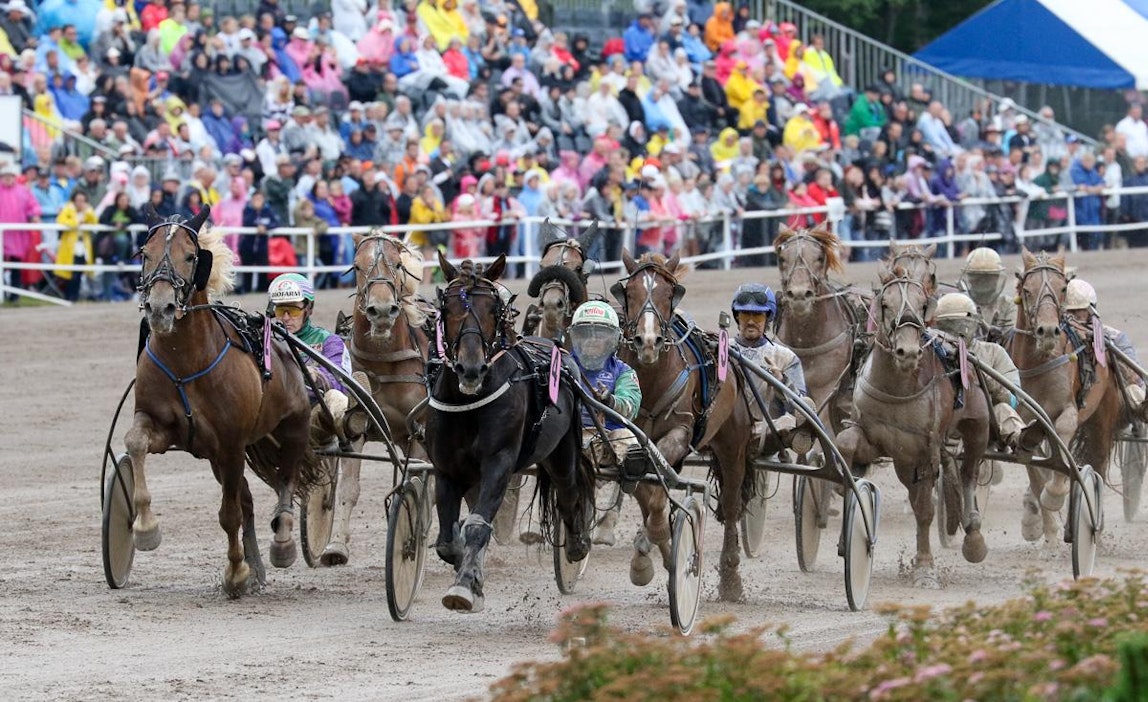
x=1080 y=295
x=957 y=315
x=754 y=297
x=594 y=332
x=290 y=287
x=984 y=276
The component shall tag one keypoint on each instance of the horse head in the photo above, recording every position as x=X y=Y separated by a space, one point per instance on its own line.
x=1041 y=287
x=916 y=261
x=649 y=294
x=387 y=272
x=805 y=258
x=472 y=318
x=560 y=284
x=902 y=307
x=175 y=268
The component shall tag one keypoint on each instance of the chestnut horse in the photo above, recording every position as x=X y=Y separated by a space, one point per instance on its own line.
x=192 y=394
x=903 y=407
x=1047 y=351
x=388 y=344
x=674 y=411
x=560 y=284
x=487 y=419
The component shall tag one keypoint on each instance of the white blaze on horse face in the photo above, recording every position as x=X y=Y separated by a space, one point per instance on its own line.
x=648 y=328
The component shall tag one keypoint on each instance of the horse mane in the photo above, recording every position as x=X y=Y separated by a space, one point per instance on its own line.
x=222 y=278
x=830 y=244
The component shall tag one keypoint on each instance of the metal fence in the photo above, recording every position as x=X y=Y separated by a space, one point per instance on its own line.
x=951 y=241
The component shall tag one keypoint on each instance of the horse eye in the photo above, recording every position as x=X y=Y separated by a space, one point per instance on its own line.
x=189 y=258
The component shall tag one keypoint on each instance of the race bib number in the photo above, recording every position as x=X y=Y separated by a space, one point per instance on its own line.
x=722 y=355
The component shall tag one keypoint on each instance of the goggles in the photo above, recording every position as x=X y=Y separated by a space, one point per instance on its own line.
x=288 y=311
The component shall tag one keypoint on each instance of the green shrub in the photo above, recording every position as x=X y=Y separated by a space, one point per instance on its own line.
x=1085 y=640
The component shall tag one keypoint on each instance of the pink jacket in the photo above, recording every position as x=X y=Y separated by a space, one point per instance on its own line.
x=17 y=205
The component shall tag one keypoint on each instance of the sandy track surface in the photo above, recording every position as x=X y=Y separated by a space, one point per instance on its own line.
x=171 y=634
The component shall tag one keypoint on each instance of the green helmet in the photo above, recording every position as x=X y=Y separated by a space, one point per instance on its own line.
x=594 y=334
x=596 y=312
x=290 y=287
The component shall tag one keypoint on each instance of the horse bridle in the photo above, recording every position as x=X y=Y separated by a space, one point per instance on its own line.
x=819 y=283
x=165 y=269
x=906 y=316
x=464 y=291
x=649 y=271
x=550 y=285
x=382 y=271
x=1043 y=294
x=914 y=254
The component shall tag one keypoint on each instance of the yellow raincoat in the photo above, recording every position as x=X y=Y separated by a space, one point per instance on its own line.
x=723 y=152
x=437 y=23
x=429 y=143
x=169 y=115
x=130 y=8
x=45 y=107
x=72 y=236
x=423 y=213
x=800 y=135
x=739 y=88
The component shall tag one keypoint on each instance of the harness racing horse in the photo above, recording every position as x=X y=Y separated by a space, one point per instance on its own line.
x=489 y=417
x=681 y=409
x=192 y=394
x=387 y=344
x=560 y=284
x=903 y=407
x=1049 y=352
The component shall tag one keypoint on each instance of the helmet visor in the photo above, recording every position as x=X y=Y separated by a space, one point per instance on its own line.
x=593 y=344
x=964 y=327
x=984 y=288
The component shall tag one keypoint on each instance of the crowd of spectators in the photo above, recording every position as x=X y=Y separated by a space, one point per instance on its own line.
x=462 y=110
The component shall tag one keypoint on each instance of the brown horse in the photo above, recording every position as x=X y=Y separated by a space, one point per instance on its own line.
x=916 y=261
x=674 y=413
x=389 y=346
x=560 y=284
x=1047 y=353
x=903 y=406
x=192 y=394
x=820 y=321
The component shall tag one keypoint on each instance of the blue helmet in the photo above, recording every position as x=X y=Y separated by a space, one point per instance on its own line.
x=754 y=297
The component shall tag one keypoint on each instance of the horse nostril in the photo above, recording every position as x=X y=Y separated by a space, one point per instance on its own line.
x=808 y=294
x=372 y=311
x=169 y=308
x=900 y=353
x=561 y=304
x=393 y=310
x=483 y=368
x=658 y=341
x=457 y=369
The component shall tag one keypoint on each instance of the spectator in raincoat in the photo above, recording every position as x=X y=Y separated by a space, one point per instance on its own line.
x=719 y=27
x=75 y=246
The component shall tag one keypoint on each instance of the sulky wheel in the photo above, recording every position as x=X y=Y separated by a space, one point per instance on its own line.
x=317 y=513
x=753 y=515
x=948 y=499
x=1085 y=524
x=805 y=504
x=117 y=542
x=861 y=510
x=686 y=565
x=1132 y=457
x=566 y=574
x=406 y=549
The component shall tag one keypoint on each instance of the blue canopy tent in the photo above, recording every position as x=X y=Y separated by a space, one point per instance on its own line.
x=1082 y=43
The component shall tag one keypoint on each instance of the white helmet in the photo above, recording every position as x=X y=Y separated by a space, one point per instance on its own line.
x=957 y=314
x=983 y=277
x=1079 y=296
x=290 y=287
x=594 y=334
x=983 y=260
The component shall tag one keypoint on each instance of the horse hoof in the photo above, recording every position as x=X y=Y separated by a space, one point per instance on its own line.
x=926 y=580
x=531 y=538
x=336 y=554
x=147 y=539
x=283 y=553
x=1051 y=499
x=974 y=549
x=604 y=536
x=730 y=588
x=641 y=569
x=235 y=580
x=1031 y=524
x=460 y=599
x=577 y=548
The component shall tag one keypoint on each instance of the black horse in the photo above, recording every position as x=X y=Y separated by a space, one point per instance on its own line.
x=490 y=415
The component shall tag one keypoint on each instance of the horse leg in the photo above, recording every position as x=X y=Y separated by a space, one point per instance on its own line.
x=1056 y=487
x=448 y=504
x=921 y=499
x=283 y=549
x=732 y=465
x=141 y=440
x=251 y=541
x=346 y=497
x=973 y=547
x=229 y=470
x=466 y=593
x=652 y=499
x=574 y=497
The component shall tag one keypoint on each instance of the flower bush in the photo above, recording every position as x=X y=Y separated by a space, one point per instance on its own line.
x=1085 y=640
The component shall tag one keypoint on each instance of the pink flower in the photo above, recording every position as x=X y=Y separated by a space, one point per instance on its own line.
x=978 y=655
x=1055 y=665
x=932 y=671
x=882 y=691
x=1042 y=616
x=1098 y=622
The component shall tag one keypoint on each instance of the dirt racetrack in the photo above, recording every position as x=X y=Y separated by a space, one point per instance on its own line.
x=171 y=634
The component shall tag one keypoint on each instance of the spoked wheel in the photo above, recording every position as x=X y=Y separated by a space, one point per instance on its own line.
x=1085 y=523
x=566 y=574
x=406 y=549
x=753 y=516
x=861 y=508
x=317 y=514
x=805 y=507
x=117 y=542
x=1132 y=457
x=686 y=565
x=948 y=497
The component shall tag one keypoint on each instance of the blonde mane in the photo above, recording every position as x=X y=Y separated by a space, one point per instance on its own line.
x=829 y=241
x=222 y=278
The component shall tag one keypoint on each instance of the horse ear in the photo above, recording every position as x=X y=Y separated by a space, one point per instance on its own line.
x=494 y=271
x=618 y=290
x=151 y=217
x=448 y=270
x=357 y=238
x=588 y=238
x=1027 y=257
x=198 y=220
x=1058 y=259
x=628 y=260
x=885 y=275
x=672 y=264
x=679 y=293
x=930 y=250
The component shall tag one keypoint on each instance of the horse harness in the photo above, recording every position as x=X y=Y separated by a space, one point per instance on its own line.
x=165 y=270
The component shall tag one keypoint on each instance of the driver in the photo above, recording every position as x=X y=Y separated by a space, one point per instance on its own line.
x=1080 y=304
x=293 y=303
x=594 y=333
x=754 y=308
x=983 y=280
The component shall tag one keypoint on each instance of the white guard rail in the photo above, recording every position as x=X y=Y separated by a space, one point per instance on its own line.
x=525 y=249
